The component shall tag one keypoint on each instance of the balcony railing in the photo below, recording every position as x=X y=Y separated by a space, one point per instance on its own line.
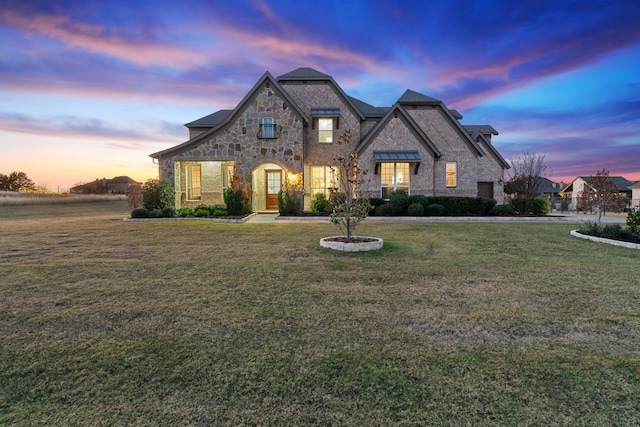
x=268 y=131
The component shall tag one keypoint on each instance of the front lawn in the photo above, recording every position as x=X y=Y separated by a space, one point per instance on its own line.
x=106 y=322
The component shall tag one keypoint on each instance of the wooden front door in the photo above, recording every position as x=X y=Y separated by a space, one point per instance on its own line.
x=274 y=184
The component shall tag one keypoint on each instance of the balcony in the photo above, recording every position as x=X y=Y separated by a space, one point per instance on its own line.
x=269 y=131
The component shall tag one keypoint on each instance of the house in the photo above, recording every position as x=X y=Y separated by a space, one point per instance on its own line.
x=635 y=194
x=577 y=186
x=116 y=185
x=285 y=130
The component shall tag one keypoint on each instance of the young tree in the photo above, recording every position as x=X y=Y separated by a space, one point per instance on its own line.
x=134 y=195
x=524 y=181
x=347 y=208
x=601 y=193
x=16 y=181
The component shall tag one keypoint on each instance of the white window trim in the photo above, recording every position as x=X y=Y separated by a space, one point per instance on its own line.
x=330 y=120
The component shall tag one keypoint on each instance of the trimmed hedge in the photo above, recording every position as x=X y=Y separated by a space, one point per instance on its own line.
x=399 y=202
x=434 y=209
x=463 y=206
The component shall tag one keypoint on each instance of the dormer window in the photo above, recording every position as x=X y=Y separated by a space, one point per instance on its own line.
x=268 y=129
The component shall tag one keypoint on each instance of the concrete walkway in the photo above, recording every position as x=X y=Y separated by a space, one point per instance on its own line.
x=262 y=218
x=266 y=218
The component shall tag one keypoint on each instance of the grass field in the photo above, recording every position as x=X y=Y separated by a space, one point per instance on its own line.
x=105 y=322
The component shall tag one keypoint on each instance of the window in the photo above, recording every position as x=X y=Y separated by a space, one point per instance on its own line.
x=322 y=179
x=267 y=128
x=228 y=172
x=193 y=182
x=452 y=174
x=325 y=130
x=394 y=177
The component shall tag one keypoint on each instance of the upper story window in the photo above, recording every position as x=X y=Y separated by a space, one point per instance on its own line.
x=268 y=129
x=452 y=174
x=327 y=120
x=325 y=130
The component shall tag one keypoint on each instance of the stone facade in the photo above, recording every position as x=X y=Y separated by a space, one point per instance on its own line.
x=296 y=101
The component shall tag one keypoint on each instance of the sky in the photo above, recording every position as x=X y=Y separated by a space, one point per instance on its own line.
x=88 y=89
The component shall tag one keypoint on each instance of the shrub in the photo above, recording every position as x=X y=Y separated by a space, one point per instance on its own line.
x=415 y=209
x=589 y=227
x=184 y=211
x=201 y=212
x=611 y=231
x=506 y=209
x=385 y=210
x=236 y=197
x=460 y=206
x=288 y=202
x=487 y=205
x=157 y=194
x=540 y=206
x=633 y=221
x=220 y=212
x=319 y=203
x=375 y=202
x=155 y=213
x=168 y=212
x=419 y=198
x=140 y=213
x=434 y=209
x=400 y=201
x=204 y=206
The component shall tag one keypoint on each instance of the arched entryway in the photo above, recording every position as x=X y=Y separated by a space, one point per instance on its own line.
x=267 y=181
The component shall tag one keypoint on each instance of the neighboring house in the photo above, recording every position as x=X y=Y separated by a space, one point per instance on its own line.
x=117 y=185
x=635 y=194
x=577 y=186
x=285 y=130
x=545 y=188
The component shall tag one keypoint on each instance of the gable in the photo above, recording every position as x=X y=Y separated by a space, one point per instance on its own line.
x=389 y=128
x=309 y=77
x=223 y=119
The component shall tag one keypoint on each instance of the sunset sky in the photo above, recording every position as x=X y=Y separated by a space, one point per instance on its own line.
x=88 y=89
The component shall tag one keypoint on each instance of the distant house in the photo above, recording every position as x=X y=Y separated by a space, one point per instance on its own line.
x=286 y=129
x=577 y=186
x=635 y=194
x=117 y=185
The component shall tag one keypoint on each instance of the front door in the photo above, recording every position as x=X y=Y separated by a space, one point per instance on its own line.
x=485 y=189
x=274 y=183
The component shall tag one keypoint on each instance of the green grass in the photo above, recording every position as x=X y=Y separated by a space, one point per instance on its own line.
x=105 y=322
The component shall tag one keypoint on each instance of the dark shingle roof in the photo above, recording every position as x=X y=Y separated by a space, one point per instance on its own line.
x=211 y=120
x=367 y=109
x=622 y=183
x=415 y=98
x=483 y=129
x=456 y=114
x=303 y=73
